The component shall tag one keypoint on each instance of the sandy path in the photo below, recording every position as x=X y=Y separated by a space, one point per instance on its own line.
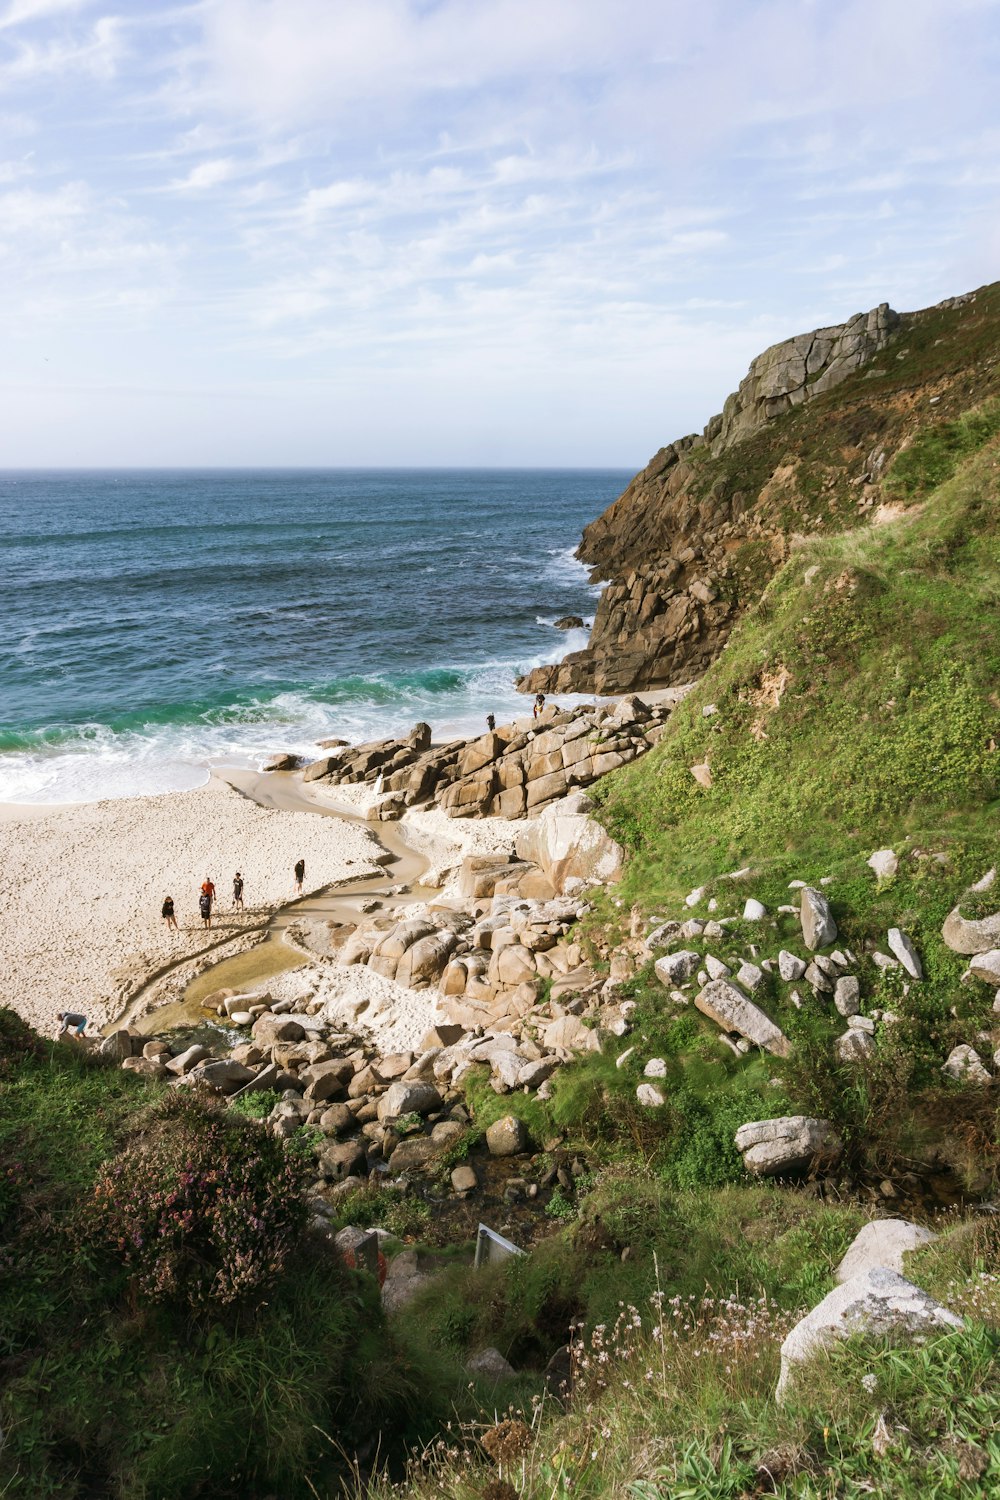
x=81 y=888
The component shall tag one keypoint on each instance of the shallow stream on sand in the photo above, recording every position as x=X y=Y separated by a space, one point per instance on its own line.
x=275 y=954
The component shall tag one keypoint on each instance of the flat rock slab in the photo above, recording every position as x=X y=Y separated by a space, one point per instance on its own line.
x=878 y=1302
x=729 y=1008
x=883 y=1242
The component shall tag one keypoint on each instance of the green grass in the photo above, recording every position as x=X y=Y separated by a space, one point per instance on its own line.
x=105 y=1392
x=674 y=1393
x=890 y=655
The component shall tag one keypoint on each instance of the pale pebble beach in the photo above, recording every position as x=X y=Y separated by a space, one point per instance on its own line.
x=81 y=888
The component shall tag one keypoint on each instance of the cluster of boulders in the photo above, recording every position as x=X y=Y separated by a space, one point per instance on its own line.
x=510 y=772
x=371 y=1112
x=730 y=990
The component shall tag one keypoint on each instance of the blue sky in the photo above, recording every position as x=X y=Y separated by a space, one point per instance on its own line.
x=463 y=231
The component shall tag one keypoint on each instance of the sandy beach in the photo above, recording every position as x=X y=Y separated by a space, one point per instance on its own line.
x=81 y=888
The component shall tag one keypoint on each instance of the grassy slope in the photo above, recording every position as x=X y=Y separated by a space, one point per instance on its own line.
x=889 y=656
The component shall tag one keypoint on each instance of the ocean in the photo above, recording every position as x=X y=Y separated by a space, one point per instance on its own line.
x=157 y=623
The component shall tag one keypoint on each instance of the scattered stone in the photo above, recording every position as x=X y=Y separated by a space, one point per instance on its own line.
x=489 y=1364
x=904 y=950
x=820 y=982
x=649 y=1096
x=408 y=1098
x=883 y=961
x=789 y=967
x=185 y=1061
x=877 y=1303
x=730 y=1009
x=986 y=966
x=748 y=976
x=715 y=968
x=854 y=1045
x=787 y=1144
x=963 y=935
x=675 y=968
x=884 y=863
x=883 y=1242
x=847 y=995
x=819 y=929
x=507 y=1136
x=655 y=1068
x=754 y=911
x=464 y=1179
x=966 y=1066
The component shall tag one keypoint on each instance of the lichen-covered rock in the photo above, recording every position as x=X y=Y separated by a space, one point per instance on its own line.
x=879 y=1303
x=675 y=968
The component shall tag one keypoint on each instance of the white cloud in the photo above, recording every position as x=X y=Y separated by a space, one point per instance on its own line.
x=207 y=174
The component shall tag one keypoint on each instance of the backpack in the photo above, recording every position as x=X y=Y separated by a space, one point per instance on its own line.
x=205 y=905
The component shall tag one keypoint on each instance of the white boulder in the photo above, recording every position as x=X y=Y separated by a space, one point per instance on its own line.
x=878 y=1302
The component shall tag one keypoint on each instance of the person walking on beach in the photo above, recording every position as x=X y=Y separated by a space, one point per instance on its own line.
x=205 y=907
x=71 y=1021
x=167 y=913
x=300 y=875
x=237 y=891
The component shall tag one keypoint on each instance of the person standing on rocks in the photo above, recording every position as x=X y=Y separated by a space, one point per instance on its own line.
x=539 y=708
x=167 y=913
x=205 y=907
x=300 y=875
x=491 y=722
x=237 y=891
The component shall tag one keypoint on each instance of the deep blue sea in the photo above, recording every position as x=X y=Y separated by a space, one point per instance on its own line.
x=155 y=623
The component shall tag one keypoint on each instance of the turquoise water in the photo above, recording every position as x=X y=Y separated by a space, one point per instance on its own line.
x=156 y=623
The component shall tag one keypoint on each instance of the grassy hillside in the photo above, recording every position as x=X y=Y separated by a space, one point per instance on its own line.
x=856 y=704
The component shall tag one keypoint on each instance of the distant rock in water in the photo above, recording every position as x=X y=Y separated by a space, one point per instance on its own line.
x=570 y=622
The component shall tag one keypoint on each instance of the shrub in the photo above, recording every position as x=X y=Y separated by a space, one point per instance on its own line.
x=201 y=1207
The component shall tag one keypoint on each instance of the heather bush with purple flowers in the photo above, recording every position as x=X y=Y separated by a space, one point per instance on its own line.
x=202 y=1207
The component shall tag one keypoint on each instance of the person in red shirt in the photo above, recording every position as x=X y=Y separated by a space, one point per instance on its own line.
x=207 y=888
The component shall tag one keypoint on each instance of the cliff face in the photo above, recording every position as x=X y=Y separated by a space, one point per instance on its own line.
x=800 y=447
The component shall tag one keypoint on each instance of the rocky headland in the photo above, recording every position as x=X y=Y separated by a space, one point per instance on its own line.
x=801 y=447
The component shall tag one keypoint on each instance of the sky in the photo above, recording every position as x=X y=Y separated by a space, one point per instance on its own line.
x=463 y=232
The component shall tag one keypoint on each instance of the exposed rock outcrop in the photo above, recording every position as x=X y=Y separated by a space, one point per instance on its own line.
x=512 y=772
x=667 y=543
